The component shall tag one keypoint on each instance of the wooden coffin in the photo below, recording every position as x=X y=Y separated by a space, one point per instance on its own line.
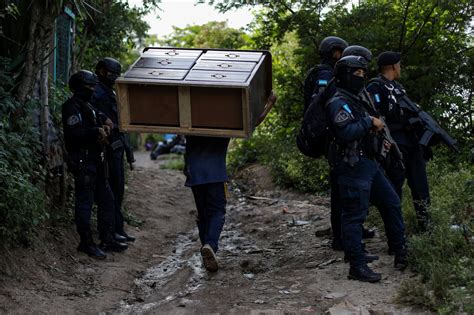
x=209 y=92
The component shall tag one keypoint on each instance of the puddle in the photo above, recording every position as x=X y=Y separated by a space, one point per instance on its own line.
x=159 y=276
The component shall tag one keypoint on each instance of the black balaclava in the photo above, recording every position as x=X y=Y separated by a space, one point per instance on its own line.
x=351 y=82
x=113 y=68
x=84 y=93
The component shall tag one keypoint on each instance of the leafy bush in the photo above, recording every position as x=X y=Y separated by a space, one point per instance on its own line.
x=21 y=173
x=444 y=257
x=289 y=167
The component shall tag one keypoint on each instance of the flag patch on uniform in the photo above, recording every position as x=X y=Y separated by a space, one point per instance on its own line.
x=347 y=109
x=323 y=82
x=74 y=119
x=377 y=98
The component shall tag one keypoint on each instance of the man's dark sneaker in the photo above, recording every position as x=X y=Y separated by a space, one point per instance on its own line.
x=368 y=258
x=368 y=233
x=363 y=273
x=92 y=250
x=120 y=238
x=401 y=261
x=337 y=244
x=112 y=245
x=209 y=258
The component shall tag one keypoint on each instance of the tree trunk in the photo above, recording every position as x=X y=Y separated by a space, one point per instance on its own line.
x=44 y=114
x=39 y=33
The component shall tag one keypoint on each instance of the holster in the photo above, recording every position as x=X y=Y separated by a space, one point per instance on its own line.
x=350 y=153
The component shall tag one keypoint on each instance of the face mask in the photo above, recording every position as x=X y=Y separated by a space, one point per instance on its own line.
x=84 y=94
x=351 y=83
x=110 y=78
x=357 y=84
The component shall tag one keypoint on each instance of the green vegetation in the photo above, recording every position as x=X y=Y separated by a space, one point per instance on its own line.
x=173 y=162
x=444 y=258
x=22 y=206
x=209 y=35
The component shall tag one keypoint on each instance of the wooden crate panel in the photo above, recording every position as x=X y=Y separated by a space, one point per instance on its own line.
x=218 y=65
x=217 y=76
x=231 y=55
x=154 y=105
x=169 y=52
x=156 y=74
x=165 y=63
x=216 y=108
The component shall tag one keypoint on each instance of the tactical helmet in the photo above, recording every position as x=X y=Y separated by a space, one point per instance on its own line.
x=109 y=64
x=356 y=50
x=82 y=79
x=331 y=43
x=344 y=72
x=349 y=64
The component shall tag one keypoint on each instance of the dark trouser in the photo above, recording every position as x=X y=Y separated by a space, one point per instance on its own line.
x=335 y=206
x=117 y=184
x=90 y=186
x=359 y=185
x=210 y=203
x=415 y=173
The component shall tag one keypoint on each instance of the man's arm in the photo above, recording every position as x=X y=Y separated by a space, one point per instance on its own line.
x=346 y=126
x=268 y=106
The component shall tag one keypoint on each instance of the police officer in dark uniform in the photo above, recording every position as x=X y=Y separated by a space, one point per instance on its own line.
x=318 y=77
x=85 y=134
x=104 y=99
x=387 y=94
x=360 y=177
x=353 y=50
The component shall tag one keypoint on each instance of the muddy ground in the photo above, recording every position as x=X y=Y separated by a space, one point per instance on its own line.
x=271 y=261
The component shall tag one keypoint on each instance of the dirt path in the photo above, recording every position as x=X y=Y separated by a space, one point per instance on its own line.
x=271 y=261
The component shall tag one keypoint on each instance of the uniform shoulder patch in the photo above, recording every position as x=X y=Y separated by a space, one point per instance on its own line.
x=73 y=120
x=342 y=116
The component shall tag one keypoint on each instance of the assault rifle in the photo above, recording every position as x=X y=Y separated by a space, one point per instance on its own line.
x=430 y=126
x=385 y=133
x=394 y=149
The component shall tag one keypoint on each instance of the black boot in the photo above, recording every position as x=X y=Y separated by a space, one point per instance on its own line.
x=423 y=223
x=110 y=244
x=364 y=273
x=125 y=236
x=120 y=238
x=88 y=246
x=337 y=244
x=366 y=233
x=401 y=260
